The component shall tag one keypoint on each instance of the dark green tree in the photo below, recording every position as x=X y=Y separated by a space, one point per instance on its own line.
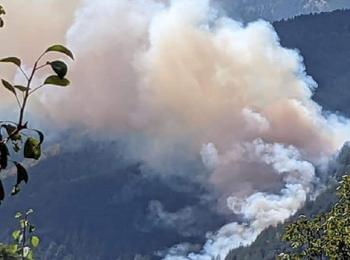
x=2 y=12
x=326 y=236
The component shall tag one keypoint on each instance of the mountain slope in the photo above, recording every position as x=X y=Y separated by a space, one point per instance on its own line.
x=274 y=10
x=94 y=203
x=323 y=41
x=269 y=244
x=91 y=193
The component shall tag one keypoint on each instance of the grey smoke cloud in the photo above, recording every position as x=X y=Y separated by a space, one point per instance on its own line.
x=187 y=82
x=182 y=220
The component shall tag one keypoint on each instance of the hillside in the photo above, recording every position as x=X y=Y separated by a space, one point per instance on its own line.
x=324 y=41
x=104 y=197
x=93 y=202
x=274 y=10
x=269 y=244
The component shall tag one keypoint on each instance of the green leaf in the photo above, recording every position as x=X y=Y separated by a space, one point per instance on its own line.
x=13 y=60
x=18 y=215
x=23 y=223
x=2 y=191
x=26 y=251
x=8 y=86
x=31 y=228
x=2 y=10
x=16 y=235
x=13 y=248
x=16 y=147
x=34 y=240
x=41 y=136
x=32 y=148
x=62 y=49
x=55 y=80
x=60 y=68
x=15 y=190
x=22 y=174
x=4 y=153
x=10 y=129
x=29 y=211
x=20 y=88
x=30 y=255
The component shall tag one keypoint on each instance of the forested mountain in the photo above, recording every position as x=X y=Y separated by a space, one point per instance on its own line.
x=323 y=41
x=274 y=10
x=92 y=202
x=269 y=244
x=99 y=207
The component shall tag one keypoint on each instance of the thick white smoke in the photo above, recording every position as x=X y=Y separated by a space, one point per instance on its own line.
x=189 y=81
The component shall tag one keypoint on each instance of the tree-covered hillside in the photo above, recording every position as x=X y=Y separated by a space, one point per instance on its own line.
x=274 y=10
x=98 y=207
x=269 y=243
x=324 y=41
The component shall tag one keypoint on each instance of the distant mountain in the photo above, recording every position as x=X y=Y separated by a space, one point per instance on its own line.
x=274 y=10
x=324 y=42
x=94 y=203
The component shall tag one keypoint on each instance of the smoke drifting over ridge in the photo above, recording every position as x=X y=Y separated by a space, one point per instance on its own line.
x=186 y=82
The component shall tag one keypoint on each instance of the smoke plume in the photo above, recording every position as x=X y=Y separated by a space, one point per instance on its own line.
x=182 y=82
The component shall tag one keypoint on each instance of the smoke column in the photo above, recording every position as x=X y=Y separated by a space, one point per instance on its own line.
x=184 y=80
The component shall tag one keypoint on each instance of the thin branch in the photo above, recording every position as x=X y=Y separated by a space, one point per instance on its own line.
x=18 y=102
x=26 y=95
x=24 y=238
x=25 y=74
x=42 y=66
x=14 y=133
x=42 y=55
x=20 y=125
x=37 y=88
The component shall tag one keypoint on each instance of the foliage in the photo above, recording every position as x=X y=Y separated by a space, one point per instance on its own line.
x=2 y=12
x=24 y=239
x=16 y=137
x=324 y=236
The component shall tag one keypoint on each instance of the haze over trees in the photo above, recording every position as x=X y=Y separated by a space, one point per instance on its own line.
x=323 y=40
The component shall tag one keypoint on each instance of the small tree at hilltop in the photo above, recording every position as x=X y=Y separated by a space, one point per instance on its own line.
x=326 y=236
